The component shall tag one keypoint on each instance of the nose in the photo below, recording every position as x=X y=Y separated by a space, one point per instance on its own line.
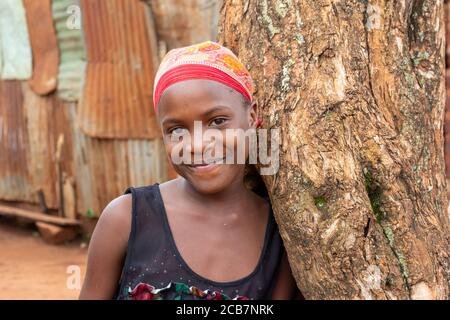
x=197 y=144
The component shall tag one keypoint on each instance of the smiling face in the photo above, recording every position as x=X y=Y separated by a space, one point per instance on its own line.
x=215 y=106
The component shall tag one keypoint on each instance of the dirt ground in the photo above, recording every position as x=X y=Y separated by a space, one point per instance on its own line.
x=33 y=269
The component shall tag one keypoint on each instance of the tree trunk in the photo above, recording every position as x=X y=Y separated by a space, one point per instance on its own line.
x=357 y=90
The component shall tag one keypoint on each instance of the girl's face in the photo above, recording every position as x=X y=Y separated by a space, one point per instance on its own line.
x=214 y=106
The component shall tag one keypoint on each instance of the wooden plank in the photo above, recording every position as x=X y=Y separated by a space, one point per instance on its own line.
x=43 y=44
x=36 y=216
x=56 y=234
x=47 y=118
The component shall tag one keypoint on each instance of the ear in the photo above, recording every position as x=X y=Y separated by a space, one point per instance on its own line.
x=253 y=114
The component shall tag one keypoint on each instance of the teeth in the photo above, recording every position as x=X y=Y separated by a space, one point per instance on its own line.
x=206 y=164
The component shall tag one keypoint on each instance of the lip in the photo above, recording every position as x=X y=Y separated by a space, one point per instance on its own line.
x=204 y=167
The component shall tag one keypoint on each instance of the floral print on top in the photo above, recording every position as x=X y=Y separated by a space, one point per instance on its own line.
x=176 y=291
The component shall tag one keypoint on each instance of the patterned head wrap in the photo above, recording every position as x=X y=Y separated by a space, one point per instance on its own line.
x=206 y=60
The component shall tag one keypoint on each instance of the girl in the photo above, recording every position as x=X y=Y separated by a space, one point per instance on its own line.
x=203 y=235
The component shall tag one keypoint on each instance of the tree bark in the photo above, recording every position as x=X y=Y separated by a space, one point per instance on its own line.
x=357 y=90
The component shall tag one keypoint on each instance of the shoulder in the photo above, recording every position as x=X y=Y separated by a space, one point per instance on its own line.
x=107 y=249
x=118 y=204
x=118 y=210
x=115 y=220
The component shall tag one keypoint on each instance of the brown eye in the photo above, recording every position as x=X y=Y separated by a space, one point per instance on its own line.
x=218 y=121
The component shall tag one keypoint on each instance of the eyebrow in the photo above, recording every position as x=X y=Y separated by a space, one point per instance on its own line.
x=205 y=114
x=169 y=121
x=214 y=109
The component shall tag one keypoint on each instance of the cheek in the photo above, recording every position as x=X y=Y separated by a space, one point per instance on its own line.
x=172 y=147
x=233 y=147
x=167 y=144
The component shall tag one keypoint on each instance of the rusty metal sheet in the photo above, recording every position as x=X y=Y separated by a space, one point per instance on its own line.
x=72 y=54
x=30 y=126
x=15 y=180
x=117 y=96
x=47 y=119
x=43 y=44
x=185 y=22
x=15 y=50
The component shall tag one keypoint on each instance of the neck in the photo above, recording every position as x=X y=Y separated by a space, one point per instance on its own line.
x=223 y=202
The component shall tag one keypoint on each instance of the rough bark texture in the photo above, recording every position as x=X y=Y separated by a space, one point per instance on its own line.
x=357 y=89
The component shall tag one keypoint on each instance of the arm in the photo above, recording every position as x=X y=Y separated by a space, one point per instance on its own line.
x=107 y=250
x=286 y=287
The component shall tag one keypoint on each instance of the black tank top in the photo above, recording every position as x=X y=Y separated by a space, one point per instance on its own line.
x=154 y=268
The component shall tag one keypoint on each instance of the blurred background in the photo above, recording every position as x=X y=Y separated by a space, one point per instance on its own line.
x=77 y=125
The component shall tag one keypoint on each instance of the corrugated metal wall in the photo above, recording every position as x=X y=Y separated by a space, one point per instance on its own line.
x=72 y=55
x=76 y=115
x=92 y=87
x=121 y=66
x=15 y=180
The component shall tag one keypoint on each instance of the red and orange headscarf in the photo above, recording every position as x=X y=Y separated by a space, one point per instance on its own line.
x=207 y=60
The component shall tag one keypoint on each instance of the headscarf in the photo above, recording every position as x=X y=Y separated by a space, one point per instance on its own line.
x=207 y=60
